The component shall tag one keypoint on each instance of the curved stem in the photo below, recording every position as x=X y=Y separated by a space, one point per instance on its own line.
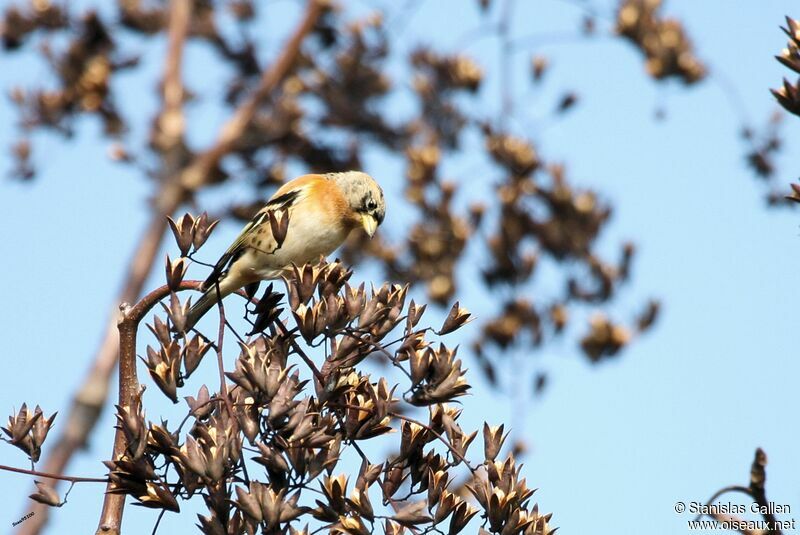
x=130 y=317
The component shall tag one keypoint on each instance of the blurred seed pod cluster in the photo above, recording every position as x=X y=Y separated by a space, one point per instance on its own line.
x=663 y=41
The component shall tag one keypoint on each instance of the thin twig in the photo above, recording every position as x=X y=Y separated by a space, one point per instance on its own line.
x=299 y=350
x=158 y=521
x=60 y=477
x=223 y=386
x=380 y=349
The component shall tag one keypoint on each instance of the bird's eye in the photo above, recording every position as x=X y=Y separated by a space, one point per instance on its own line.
x=371 y=205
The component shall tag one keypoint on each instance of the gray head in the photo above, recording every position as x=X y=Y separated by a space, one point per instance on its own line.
x=365 y=197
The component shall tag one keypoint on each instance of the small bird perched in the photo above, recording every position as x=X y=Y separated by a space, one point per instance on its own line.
x=322 y=210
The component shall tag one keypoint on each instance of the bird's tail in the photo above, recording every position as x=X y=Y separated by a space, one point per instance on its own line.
x=203 y=305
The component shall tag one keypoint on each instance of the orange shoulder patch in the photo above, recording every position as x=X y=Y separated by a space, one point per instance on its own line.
x=299 y=182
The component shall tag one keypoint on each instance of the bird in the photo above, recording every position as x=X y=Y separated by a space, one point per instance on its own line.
x=322 y=210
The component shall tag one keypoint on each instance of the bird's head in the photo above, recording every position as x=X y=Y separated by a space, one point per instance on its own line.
x=365 y=198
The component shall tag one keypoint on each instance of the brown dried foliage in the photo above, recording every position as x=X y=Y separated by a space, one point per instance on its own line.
x=301 y=425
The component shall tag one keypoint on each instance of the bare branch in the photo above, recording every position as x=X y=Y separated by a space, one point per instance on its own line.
x=198 y=173
x=37 y=473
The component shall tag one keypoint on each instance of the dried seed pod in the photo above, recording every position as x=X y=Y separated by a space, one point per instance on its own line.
x=360 y=501
x=46 y=494
x=457 y=317
x=183 y=231
x=788 y=96
x=131 y=420
x=160 y=330
x=164 y=367
x=161 y=441
x=446 y=505
x=462 y=514
x=193 y=353
x=200 y=407
x=158 y=496
x=795 y=195
x=443 y=382
x=28 y=430
x=266 y=310
x=178 y=312
x=202 y=229
x=493 y=439
x=412 y=514
x=175 y=272
x=414 y=314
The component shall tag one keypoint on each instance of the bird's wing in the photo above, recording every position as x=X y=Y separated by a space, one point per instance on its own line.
x=247 y=237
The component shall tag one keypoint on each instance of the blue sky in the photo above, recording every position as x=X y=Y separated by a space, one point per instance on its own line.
x=676 y=417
